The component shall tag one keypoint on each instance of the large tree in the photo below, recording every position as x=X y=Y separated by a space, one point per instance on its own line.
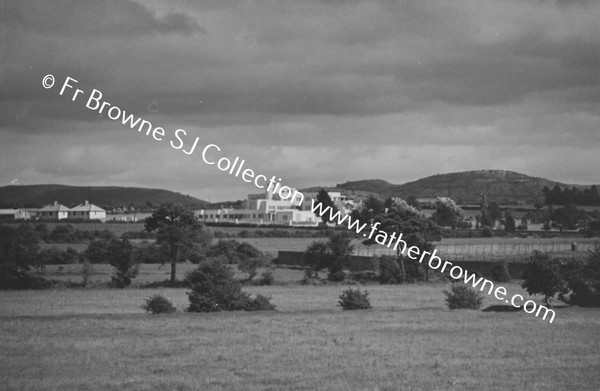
x=324 y=199
x=416 y=229
x=177 y=229
x=447 y=213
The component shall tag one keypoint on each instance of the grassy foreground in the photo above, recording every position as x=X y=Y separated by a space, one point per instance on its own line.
x=95 y=339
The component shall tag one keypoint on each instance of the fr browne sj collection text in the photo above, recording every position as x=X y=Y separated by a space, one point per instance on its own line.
x=179 y=140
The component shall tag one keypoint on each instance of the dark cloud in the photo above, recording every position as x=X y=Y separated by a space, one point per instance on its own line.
x=91 y=17
x=304 y=88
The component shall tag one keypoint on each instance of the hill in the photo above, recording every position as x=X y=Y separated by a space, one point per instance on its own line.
x=33 y=196
x=502 y=186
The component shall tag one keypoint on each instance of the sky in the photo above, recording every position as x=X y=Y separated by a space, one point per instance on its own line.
x=314 y=92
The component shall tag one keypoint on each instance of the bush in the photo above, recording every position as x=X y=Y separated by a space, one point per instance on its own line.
x=214 y=288
x=461 y=296
x=259 y=303
x=500 y=272
x=266 y=278
x=487 y=232
x=336 y=275
x=158 y=304
x=251 y=265
x=354 y=299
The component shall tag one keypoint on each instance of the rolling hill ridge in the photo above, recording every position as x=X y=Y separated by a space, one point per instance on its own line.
x=464 y=187
x=34 y=196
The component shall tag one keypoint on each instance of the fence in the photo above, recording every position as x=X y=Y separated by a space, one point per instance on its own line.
x=495 y=250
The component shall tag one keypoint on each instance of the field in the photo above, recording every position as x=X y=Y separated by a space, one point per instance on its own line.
x=94 y=339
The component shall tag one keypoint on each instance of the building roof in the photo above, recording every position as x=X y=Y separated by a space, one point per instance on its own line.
x=8 y=211
x=55 y=207
x=86 y=207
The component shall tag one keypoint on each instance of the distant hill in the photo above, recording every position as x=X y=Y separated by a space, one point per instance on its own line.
x=33 y=196
x=464 y=187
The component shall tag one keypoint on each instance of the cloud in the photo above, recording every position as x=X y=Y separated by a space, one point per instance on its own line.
x=90 y=17
x=319 y=91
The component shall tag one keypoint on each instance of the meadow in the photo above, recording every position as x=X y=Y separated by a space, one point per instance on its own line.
x=100 y=339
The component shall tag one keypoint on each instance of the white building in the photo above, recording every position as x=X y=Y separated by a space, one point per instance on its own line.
x=53 y=212
x=264 y=208
x=14 y=214
x=87 y=211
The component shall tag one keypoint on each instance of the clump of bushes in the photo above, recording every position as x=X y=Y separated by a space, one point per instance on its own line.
x=462 y=296
x=354 y=299
x=214 y=288
x=500 y=272
x=158 y=304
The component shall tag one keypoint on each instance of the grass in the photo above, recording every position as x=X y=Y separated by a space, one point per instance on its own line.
x=101 y=273
x=94 y=339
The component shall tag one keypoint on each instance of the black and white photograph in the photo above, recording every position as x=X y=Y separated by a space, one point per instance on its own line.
x=299 y=195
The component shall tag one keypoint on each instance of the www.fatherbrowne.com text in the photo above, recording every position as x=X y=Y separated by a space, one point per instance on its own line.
x=395 y=242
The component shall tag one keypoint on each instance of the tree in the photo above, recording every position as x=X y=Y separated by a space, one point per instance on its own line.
x=333 y=255
x=176 y=228
x=542 y=275
x=509 y=222
x=97 y=251
x=324 y=199
x=584 y=280
x=494 y=212
x=447 y=213
x=401 y=218
x=485 y=220
x=120 y=256
x=18 y=250
x=566 y=217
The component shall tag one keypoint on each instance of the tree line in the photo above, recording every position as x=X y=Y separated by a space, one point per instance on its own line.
x=558 y=196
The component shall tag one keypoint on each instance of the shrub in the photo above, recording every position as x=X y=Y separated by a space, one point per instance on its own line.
x=461 y=296
x=214 y=288
x=266 y=278
x=336 y=275
x=354 y=299
x=158 y=304
x=500 y=272
x=487 y=232
x=259 y=303
x=251 y=265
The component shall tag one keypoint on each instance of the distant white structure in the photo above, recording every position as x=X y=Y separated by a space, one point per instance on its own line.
x=265 y=208
x=87 y=211
x=14 y=214
x=53 y=212
x=56 y=212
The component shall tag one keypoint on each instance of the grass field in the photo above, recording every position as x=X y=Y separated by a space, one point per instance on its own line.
x=93 y=339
